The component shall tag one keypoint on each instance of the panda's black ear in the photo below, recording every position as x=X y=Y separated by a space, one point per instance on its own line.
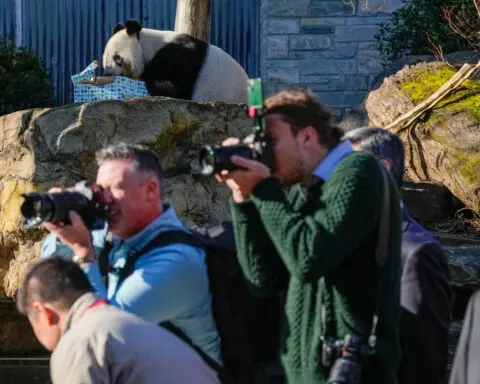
x=118 y=27
x=133 y=26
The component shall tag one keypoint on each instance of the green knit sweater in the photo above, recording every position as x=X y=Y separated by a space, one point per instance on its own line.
x=321 y=249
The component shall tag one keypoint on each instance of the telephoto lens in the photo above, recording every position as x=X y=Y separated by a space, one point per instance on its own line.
x=37 y=207
x=84 y=199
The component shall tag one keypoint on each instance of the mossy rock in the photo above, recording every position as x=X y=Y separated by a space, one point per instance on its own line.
x=43 y=148
x=444 y=145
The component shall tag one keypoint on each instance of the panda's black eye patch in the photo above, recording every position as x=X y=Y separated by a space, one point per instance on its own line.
x=118 y=60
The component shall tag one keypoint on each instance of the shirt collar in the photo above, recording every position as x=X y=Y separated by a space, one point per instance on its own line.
x=78 y=308
x=336 y=155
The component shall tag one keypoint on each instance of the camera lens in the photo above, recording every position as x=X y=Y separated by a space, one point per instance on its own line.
x=37 y=207
x=214 y=159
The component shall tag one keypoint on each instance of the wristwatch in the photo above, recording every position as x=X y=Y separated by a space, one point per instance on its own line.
x=82 y=260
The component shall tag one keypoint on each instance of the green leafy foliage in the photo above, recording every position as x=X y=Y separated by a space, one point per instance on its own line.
x=24 y=82
x=410 y=27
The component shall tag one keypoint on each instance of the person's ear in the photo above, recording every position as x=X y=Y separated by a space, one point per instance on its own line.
x=309 y=137
x=152 y=188
x=45 y=312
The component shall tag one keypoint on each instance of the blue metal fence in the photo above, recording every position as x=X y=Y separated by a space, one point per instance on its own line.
x=7 y=18
x=69 y=34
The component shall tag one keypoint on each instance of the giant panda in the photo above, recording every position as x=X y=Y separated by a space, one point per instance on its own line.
x=174 y=64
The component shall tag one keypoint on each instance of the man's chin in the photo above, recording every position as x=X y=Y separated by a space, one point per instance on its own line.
x=112 y=224
x=284 y=181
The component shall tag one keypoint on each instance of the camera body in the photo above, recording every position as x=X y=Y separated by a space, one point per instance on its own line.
x=257 y=146
x=345 y=358
x=83 y=198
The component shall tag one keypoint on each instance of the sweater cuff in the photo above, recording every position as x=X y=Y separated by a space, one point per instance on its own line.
x=267 y=189
x=241 y=212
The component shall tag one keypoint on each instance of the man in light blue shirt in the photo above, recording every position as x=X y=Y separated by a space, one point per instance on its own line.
x=168 y=284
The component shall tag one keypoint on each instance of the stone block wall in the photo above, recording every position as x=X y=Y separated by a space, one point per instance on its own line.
x=321 y=44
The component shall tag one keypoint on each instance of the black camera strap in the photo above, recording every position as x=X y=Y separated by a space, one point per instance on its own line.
x=381 y=253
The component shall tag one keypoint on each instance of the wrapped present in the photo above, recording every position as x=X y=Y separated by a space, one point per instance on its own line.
x=90 y=87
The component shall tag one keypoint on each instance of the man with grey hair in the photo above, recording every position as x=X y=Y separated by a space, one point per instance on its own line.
x=425 y=288
x=168 y=284
x=93 y=342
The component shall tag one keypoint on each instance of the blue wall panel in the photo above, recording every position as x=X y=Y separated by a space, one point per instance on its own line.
x=7 y=18
x=69 y=34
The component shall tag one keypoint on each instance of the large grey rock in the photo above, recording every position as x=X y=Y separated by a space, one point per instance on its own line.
x=42 y=148
x=429 y=202
x=464 y=263
x=358 y=116
x=444 y=145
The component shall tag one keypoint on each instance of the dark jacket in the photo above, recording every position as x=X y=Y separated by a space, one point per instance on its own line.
x=426 y=306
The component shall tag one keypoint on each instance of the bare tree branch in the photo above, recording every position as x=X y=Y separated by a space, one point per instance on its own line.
x=463 y=23
x=436 y=49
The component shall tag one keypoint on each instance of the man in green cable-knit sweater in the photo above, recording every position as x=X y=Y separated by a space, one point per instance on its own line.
x=318 y=241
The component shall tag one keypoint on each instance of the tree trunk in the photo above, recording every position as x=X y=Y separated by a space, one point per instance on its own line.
x=193 y=17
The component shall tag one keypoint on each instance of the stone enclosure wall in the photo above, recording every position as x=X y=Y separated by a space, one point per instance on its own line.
x=326 y=45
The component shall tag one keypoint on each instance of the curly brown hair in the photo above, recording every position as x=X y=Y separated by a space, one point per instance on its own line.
x=302 y=108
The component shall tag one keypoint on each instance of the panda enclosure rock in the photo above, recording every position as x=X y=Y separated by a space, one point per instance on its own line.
x=444 y=146
x=45 y=147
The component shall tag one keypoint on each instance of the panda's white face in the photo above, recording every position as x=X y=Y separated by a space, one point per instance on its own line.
x=123 y=56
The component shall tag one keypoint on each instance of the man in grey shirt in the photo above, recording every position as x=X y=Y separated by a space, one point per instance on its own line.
x=94 y=342
x=466 y=368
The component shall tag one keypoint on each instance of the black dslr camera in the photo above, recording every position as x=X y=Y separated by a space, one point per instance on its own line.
x=83 y=198
x=216 y=158
x=346 y=358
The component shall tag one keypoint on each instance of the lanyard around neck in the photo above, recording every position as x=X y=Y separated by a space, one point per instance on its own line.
x=95 y=304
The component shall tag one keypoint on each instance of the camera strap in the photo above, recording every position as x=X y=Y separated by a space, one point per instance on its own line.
x=103 y=261
x=381 y=252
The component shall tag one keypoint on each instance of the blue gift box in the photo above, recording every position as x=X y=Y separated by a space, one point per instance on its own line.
x=115 y=88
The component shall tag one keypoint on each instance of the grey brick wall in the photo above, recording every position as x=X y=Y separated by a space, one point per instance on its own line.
x=320 y=44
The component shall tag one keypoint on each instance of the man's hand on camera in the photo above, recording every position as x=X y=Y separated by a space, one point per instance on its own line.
x=243 y=181
x=76 y=236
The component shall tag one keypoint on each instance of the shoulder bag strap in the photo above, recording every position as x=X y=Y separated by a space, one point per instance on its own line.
x=161 y=240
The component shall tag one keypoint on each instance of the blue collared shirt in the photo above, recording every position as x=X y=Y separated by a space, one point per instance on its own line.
x=168 y=284
x=336 y=155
